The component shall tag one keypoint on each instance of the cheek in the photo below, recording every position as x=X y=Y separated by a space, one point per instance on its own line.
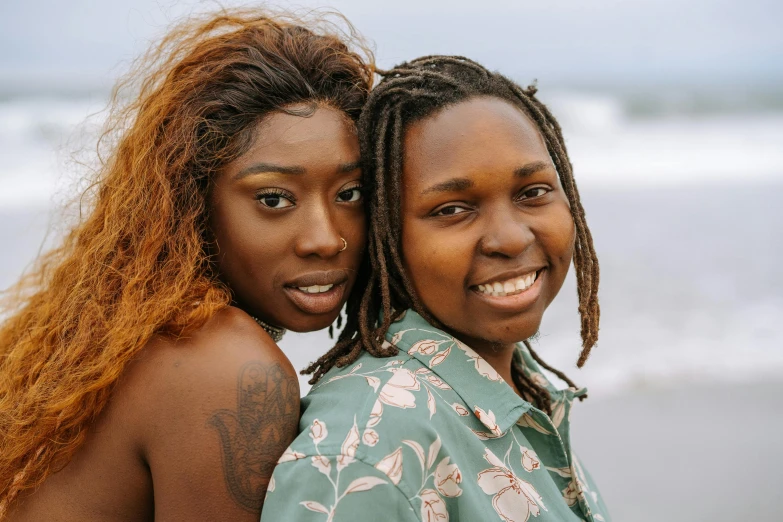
x=355 y=228
x=435 y=264
x=558 y=234
x=248 y=247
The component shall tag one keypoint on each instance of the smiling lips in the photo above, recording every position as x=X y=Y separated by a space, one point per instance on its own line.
x=318 y=293
x=315 y=289
x=511 y=294
x=512 y=286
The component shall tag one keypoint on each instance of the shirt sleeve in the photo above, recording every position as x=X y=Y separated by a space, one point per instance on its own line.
x=335 y=488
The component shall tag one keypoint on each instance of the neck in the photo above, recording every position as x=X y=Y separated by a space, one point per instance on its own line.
x=275 y=332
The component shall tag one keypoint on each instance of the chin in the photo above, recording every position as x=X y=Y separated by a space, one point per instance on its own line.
x=310 y=324
x=498 y=333
x=518 y=333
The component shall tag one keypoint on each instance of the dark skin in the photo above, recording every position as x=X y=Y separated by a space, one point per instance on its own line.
x=482 y=203
x=195 y=425
x=300 y=183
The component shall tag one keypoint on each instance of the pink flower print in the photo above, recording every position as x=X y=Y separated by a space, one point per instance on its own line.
x=437 y=382
x=375 y=414
x=391 y=465
x=433 y=509
x=318 y=431
x=488 y=420
x=448 y=478
x=370 y=437
x=396 y=390
x=485 y=369
x=426 y=347
x=290 y=455
x=440 y=357
x=482 y=367
x=322 y=464
x=460 y=409
x=348 y=449
x=529 y=459
x=514 y=500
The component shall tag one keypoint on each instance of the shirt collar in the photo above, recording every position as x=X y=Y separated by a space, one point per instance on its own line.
x=533 y=372
x=491 y=400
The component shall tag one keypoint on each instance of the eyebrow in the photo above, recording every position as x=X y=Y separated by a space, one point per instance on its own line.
x=530 y=168
x=261 y=168
x=458 y=184
x=451 y=185
x=349 y=167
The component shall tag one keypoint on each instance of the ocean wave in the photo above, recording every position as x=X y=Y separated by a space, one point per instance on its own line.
x=607 y=145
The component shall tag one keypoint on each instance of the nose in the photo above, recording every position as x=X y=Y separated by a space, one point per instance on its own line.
x=506 y=233
x=318 y=234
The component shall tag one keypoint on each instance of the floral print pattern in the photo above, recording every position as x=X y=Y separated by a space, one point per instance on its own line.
x=514 y=499
x=431 y=434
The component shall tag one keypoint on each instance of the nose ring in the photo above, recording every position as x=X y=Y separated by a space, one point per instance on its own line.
x=345 y=244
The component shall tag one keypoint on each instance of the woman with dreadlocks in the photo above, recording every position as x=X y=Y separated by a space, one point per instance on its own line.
x=433 y=404
x=140 y=377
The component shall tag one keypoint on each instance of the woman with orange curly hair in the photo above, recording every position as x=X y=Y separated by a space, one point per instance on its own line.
x=140 y=377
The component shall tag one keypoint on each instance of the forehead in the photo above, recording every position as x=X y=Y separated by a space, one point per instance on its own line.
x=483 y=134
x=325 y=136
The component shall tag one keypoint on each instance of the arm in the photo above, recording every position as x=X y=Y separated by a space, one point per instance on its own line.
x=223 y=407
x=321 y=488
x=254 y=434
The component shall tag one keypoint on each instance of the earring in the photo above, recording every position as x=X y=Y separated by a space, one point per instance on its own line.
x=345 y=244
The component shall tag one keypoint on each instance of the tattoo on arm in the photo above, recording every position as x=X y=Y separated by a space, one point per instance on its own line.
x=253 y=437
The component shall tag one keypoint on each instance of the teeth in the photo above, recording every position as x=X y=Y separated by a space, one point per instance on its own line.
x=315 y=289
x=510 y=287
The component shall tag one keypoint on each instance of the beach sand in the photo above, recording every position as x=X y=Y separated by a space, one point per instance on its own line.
x=704 y=452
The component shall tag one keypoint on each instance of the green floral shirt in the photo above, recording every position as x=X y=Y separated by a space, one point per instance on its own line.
x=432 y=434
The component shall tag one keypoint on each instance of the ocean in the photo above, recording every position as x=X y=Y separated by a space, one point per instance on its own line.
x=684 y=206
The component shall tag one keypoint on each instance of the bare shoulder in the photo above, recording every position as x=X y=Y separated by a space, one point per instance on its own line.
x=228 y=349
x=215 y=412
x=229 y=334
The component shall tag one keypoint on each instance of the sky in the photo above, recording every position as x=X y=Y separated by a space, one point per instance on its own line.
x=565 y=42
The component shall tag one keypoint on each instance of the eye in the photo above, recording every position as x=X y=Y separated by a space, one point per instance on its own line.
x=275 y=199
x=450 y=210
x=350 y=195
x=533 y=192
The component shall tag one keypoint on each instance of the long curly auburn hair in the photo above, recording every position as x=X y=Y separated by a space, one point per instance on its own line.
x=138 y=263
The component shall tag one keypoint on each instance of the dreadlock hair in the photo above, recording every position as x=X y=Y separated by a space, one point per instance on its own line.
x=138 y=263
x=408 y=93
